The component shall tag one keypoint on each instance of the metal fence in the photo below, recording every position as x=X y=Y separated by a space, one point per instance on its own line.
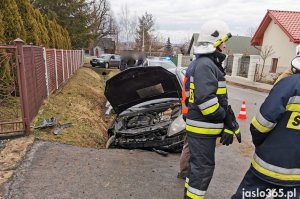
x=243 y=67
x=29 y=74
x=229 y=64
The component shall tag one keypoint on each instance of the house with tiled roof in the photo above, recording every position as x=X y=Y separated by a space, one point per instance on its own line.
x=279 y=30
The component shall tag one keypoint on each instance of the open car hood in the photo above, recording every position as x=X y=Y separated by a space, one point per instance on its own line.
x=140 y=84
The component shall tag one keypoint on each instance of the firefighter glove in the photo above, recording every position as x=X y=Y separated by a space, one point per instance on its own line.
x=227 y=136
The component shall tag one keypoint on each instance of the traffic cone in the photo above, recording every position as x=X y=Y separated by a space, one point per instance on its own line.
x=243 y=114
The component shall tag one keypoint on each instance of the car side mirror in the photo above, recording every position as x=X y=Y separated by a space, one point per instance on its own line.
x=296 y=63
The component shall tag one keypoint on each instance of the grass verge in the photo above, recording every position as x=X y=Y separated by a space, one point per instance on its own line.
x=81 y=102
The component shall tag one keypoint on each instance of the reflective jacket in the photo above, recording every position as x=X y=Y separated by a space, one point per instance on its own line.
x=276 y=134
x=208 y=97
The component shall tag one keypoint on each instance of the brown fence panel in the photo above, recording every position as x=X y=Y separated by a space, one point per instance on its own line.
x=35 y=78
x=69 y=63
x=50 y=55
x=40 y=78
x=38 y=71
x=65 y=65
x=60 y=77
x=74 y=62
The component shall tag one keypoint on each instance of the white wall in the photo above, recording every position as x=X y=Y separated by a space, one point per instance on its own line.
x=284 y=49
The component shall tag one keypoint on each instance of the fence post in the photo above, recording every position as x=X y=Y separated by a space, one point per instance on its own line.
x=82 y=57
x=235 y=65
x=75 y=56
x=72 y=67
x=46 y=71
x=77 y=59
x=56 y=73
x=63 y=64
x=179 y=60
x=67 y=57
x=22 y=84
x=254 y=59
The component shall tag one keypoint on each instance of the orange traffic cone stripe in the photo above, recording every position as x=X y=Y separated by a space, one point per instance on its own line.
x=243 y=114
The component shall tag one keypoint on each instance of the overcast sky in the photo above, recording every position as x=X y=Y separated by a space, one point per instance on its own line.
x=178 y=19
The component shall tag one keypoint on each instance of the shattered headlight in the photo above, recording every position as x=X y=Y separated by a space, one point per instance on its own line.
x=176 y=126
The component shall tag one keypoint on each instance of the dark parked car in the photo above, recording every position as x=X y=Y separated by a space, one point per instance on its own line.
x=147 y=103
x=106 y=60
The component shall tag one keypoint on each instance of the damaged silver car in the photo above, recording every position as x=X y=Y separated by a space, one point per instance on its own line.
x=147 y=103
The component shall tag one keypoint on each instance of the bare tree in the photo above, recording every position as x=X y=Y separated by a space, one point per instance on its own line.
x=127 y=24
x=156 y=43
x=251 y=31
x=101 y=20
x=265 y=53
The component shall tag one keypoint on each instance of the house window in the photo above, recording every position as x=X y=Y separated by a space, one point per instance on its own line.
x=274 y=65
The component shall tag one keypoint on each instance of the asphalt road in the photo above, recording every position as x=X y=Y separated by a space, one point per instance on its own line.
x=52 y=170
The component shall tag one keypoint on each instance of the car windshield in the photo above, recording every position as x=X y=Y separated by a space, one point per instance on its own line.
x=164 y=64
x=104 y=56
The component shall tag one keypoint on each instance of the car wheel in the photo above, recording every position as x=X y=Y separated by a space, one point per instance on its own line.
x=110 y=141
x=106 y=65
x=93 y=65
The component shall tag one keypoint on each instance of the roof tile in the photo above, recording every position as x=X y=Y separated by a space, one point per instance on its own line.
x=289 y=22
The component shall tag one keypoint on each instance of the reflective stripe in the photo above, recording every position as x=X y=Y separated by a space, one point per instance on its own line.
x=293 y=104
x=211 y=109
x=186 y=184
x=208 y=103
x=293 y=107
x=204 y=124
x=187 y=93
x=193 y=196
x=294 y=100
x=192 y=85
x=196 y=191
x=205 y=131
x=264 y=122
x=260 y=127
x=237 y=131
x=221 y=91
x=228 y=131
x=221 y=84
x=275 y=171
x=191 y=79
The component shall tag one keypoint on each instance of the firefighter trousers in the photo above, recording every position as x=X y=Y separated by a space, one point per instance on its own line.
x=253 y=187
x=201 y=166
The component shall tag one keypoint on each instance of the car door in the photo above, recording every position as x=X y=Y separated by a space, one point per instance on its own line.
x=117 y=60
x=113 y=61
